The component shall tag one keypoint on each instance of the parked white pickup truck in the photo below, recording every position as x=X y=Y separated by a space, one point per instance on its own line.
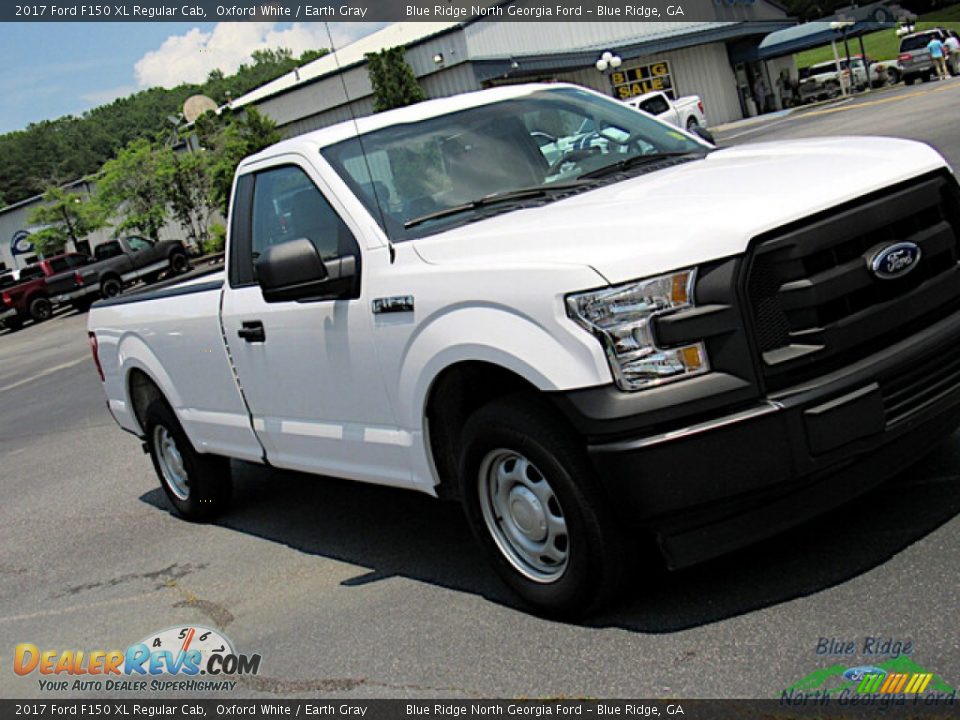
x=652 y=336
x=686 y=112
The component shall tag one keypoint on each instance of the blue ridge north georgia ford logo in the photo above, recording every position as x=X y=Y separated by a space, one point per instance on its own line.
x=895 y=261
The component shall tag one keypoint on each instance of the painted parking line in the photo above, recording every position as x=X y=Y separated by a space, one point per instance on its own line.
x=945 y=85
x=44 y=373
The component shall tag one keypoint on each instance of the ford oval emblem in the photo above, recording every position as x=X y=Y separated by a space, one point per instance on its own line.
x=895 y=261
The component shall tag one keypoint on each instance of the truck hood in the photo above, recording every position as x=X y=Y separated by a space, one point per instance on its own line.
x=688 y=214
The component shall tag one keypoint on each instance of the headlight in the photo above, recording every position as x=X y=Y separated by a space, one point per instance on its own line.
x=621 y=318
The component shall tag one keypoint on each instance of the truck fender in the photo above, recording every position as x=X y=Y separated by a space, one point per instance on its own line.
x=134 y=354
x=545 y=360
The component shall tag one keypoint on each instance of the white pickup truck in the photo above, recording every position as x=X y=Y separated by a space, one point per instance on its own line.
x=650 y=337
x=686 y=112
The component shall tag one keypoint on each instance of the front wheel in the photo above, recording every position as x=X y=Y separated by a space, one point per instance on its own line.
x=534 y=504
x=197 y=485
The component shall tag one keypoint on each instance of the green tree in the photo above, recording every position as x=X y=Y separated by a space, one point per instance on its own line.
x=229 y=140
x=67 y=216
x=394 y=83
x=73 y=147
x=187 y=179
x=131 y=187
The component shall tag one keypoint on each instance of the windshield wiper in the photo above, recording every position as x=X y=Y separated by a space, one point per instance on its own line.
x=634 y=161
x=494 y=199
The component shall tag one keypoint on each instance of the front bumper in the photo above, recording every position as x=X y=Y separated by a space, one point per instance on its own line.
x=737 y=476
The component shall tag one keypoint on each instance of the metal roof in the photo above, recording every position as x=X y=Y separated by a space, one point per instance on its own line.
x=401 y=33
x=519 y=65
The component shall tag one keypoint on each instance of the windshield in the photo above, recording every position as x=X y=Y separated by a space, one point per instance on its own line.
x=423 y=177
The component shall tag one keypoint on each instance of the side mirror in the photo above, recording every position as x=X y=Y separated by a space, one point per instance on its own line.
x=294 y=271
x=703 y=134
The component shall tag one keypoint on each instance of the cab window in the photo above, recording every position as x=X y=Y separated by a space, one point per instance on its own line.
x=288 y=206
x=59 y=265
x=137 y=243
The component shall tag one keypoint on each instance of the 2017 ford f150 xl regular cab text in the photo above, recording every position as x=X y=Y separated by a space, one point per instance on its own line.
x=643 y=334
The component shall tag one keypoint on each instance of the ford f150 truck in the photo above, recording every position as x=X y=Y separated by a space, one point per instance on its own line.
x=652 y=335
x=120 y=262
x=686 y=112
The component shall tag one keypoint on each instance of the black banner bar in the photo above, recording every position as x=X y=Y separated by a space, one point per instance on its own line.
x=878 y=706
x=401 y=10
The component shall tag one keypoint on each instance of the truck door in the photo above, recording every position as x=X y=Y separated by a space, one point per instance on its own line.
x=308 y=370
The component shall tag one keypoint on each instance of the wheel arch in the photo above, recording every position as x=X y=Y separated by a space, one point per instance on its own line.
x=455 y=394
x=109 y=275
x=144 y=380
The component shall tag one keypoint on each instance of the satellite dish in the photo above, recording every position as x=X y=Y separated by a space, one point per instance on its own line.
x=197 y=105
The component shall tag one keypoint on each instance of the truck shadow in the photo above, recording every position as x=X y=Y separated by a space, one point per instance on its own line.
x=399 y=533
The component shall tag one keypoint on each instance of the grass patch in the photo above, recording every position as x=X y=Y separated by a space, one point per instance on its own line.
x=882 y=44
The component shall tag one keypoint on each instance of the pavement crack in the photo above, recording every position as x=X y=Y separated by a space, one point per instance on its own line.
x=167 y=576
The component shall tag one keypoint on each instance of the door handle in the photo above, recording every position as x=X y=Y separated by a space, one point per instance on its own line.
x=252 y=331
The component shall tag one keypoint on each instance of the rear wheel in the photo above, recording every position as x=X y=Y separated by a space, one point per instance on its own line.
x=41 y=309
x=110 y=287
x=534 y=504
x=691 y=124
x=197 y=485
x=909 y=79
x=179 y=263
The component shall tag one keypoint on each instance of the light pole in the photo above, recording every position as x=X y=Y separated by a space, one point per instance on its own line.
x=608 y=61
x=842 y=25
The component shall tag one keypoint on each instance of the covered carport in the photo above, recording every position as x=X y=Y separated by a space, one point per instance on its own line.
x=767 y=74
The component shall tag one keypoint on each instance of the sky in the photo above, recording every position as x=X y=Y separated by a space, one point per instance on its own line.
x=55 y=69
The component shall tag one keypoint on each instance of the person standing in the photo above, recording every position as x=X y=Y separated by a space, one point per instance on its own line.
x=952 y=47
x=938 y=55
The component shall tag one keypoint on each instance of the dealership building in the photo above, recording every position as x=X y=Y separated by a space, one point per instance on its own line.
x=715 y=58
x=681 y=58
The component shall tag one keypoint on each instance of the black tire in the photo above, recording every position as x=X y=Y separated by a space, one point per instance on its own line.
x=13 y=324
x=893 y=77
x=82 y=305
x=40 y=309
x=909 y=79
x=593 y=547
x=207 y=487
x=179 y=263
x=111 y=287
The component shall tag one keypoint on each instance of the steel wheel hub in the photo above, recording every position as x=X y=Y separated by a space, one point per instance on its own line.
x=171 y=462
x=523 y=515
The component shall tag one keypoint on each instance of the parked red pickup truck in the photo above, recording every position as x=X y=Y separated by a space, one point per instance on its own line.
x=43 y=286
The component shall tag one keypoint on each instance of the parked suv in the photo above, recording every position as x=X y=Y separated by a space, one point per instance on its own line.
x=915 y=60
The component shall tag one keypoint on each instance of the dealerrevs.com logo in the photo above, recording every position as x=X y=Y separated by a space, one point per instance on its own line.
x=172 y=659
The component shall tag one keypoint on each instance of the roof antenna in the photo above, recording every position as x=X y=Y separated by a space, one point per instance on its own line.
x=363 y=151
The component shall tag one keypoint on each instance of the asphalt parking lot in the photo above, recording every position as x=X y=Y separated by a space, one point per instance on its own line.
x=355 y=591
